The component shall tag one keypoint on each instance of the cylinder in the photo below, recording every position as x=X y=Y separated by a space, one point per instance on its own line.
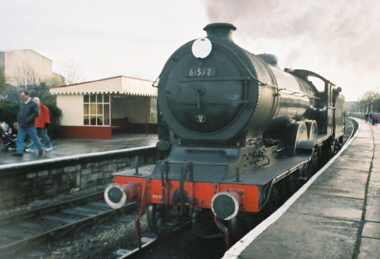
x=226 y=205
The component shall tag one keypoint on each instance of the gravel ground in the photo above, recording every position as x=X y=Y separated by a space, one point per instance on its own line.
x=98 y=241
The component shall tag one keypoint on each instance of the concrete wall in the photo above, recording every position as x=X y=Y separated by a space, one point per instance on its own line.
x=72 y=109
x=22 y=184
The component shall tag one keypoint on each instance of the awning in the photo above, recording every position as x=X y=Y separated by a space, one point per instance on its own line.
x=114 y=85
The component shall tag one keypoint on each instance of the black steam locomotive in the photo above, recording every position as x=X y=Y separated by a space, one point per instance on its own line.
x=242 y=135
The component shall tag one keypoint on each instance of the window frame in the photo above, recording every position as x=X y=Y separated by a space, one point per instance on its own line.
x=91 y=104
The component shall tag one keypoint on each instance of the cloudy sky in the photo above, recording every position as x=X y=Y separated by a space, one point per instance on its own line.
x=338 y=39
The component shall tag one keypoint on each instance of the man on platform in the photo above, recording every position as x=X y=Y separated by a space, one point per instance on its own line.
x=26 y=120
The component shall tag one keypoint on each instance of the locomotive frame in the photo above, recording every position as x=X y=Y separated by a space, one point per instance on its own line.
x=242 y=135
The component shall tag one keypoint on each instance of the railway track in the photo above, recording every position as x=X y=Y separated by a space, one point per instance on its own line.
x=351 y=126
x=34 y=226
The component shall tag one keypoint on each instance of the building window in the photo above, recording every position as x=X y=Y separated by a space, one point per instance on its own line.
x=96 y=109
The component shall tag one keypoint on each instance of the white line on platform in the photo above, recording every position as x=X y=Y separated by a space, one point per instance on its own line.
x=74 y=157
x=235 y=251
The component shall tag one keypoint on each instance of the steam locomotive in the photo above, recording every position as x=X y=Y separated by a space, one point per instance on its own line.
x=242 y=135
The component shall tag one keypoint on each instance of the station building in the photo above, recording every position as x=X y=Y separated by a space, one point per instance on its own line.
x=98 y=109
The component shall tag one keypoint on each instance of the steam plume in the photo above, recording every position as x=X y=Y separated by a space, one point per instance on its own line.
x=340 y=38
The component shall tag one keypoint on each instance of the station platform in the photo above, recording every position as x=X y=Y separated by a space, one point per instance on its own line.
x=70 y=147
x=334 y=215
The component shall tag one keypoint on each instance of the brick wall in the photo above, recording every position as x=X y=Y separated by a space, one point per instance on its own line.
x=22 y=184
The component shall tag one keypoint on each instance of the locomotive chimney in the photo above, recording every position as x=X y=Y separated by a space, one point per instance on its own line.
x=222 y=31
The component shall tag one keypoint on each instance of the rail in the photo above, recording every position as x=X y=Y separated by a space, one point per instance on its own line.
x=37 y=225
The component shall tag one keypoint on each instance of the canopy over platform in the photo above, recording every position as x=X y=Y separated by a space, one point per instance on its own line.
x=112 y=85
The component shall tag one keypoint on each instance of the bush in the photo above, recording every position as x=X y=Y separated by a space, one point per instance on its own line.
x=9 y=108
x=55 y=113
x=8 y=112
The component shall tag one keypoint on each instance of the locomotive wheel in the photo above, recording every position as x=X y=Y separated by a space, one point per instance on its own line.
x=295 y=133
x=292 y=183
x=152 y=215
x=156 y=220
x=328 y=151
x=273 y=203
x=314 y=164
x=307 y=171
x=273 y=200
x=312 y=128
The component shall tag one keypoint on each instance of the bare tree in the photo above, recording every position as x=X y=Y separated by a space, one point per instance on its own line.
x=371 y=101
x=370 y=96
x=71 y=71
x=26 y=76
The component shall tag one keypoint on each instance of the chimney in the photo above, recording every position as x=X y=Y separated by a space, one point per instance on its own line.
x=221 y=31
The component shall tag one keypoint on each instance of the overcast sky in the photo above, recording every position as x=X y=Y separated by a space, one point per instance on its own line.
x=338 y=39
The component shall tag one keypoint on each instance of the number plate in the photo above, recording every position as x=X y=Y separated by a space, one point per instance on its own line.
x=203 y=71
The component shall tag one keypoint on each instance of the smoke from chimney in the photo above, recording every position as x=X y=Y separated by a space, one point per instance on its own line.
x=340 y=36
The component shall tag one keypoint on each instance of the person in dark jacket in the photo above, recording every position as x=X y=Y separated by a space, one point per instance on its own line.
x=26 y=120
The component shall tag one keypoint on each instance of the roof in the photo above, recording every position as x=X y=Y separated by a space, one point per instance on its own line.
x=112 y=85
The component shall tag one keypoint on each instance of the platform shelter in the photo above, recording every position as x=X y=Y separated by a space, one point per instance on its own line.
x=97 y=109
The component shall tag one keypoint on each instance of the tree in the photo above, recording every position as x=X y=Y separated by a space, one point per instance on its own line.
x=8 y=112
x=55 y=81
x=371 y=101
x=3 y=84
x=26 y=76
x=13 y=94
x=71 y=71
x=369 y=96
x=42 y=92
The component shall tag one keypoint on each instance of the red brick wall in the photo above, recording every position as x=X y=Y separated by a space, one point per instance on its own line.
x=88 y=132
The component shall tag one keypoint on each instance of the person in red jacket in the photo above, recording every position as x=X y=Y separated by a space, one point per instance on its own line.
x=42 y=123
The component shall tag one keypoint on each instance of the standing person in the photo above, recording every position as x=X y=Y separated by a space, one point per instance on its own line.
x=42 y=123
x=27 y=114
